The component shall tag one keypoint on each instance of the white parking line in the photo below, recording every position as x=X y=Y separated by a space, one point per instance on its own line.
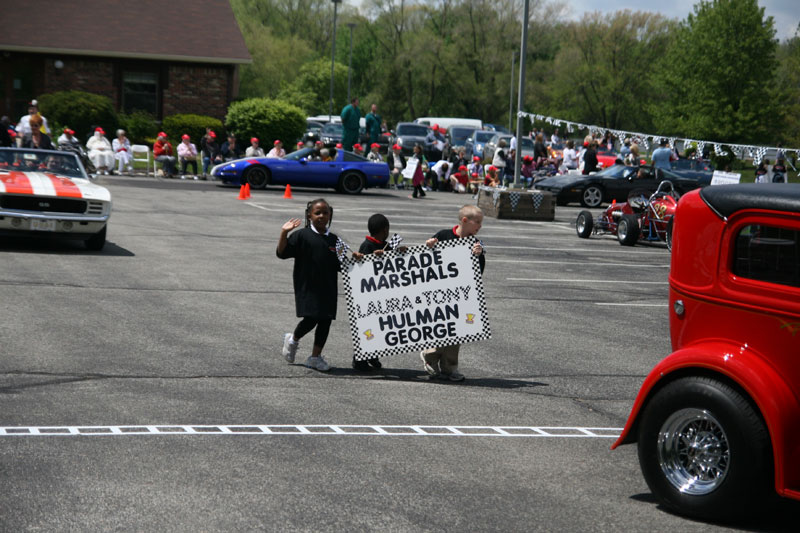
x=315 y=429
x=551 y=280
x=590 y=263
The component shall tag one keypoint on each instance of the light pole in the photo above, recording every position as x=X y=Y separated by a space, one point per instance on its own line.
x=521 y=91
x=511 y=92
x=333 y=55
x=350 y=25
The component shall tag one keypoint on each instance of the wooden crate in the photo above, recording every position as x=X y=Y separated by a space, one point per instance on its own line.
x=497 y=203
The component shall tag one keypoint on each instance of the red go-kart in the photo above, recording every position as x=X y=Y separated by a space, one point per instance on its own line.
x=648 y=219
x=717 y=421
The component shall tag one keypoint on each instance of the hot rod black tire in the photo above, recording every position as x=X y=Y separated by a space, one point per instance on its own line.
x=257 y=176
x=592 y=196
x=628 y=230
x=584 y=224
x=96 y=241
x=705 y=451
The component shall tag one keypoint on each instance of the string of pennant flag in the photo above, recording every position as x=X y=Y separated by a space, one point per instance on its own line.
x=741 y=151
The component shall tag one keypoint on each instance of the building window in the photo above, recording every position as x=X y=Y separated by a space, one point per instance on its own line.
x=770 y=254
x=140 y=92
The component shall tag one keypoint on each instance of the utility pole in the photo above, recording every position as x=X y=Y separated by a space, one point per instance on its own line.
x=333 y=55
x=521 y=92
x=511 y=91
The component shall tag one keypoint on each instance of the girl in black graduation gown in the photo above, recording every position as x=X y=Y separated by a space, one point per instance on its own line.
x=316 y=267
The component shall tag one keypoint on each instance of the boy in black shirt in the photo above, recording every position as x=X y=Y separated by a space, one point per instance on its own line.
x=443 y=361
x=375 y=243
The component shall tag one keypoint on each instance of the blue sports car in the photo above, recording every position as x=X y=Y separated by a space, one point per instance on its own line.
x=347 y=173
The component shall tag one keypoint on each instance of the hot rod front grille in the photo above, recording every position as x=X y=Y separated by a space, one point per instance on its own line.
x=51 y=205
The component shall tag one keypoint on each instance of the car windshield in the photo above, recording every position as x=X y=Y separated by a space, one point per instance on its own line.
x=313 y=126
x=483 y=136
x=527 y=142
x=62 y=163
x=414 y=130
x=332 y=128
x=459 y=135
x=297 y=154
x=617 y=171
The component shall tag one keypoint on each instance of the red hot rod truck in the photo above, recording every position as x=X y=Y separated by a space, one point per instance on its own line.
x=717 y=422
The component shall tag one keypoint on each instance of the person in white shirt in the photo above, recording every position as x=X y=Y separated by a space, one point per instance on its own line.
x=122 y=151
x=570 y=157
x=24 y=124
x=100 y=151
x=254 y=150
x=513 y=145
x=374 y=154
x=554 y=138
x=441 y=173
x=277 y=151
x=68 y=141
x=187 y=155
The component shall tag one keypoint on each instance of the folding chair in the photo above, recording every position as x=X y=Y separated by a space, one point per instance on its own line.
x=139 y=149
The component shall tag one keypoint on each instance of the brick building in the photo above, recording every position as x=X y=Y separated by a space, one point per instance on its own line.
x=163 y=57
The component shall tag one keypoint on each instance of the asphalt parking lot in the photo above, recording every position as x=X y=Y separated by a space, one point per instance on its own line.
x=142 y=387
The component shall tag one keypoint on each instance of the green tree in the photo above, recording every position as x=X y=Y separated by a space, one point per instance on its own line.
x=602 y=73
x=266 y=119
x=717 y=77
x=310 y=91
x=789 y=83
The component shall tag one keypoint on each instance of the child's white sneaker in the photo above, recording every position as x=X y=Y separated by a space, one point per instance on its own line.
x=289 y=347
x=317 y=363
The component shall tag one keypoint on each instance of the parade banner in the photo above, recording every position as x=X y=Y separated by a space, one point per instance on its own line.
x=423 y=298
x=725 y=178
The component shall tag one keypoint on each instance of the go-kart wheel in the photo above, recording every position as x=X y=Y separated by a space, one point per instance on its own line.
x=351 y=183
x=257 y=176
x=628 y=230
x=584 y=224
x=96 y=241
x=704 y=450
x=668 y=236
x=592 y=196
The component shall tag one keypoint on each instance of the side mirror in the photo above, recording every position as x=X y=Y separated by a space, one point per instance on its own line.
x=303 y=160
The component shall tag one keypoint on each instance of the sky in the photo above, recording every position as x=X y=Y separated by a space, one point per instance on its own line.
x=785 y=13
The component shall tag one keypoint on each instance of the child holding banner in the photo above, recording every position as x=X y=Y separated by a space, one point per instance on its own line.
x=443 y=361
x=316 y=267
x=375 y=243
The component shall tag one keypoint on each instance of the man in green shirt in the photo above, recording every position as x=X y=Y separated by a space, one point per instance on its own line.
x=351 y=118
x=373 y=120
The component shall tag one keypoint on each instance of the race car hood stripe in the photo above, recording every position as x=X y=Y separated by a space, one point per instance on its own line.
x=16 y=183
x=41 y=184
x=65 y=187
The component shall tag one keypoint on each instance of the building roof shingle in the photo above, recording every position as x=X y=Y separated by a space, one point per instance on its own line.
x=175 y=30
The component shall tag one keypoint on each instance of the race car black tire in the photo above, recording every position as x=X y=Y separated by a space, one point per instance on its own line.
x=628 y=230
x=351 y=183
x=699 y=420
x=96 y=241
x=668 y=236
x=592 y=196
x=257 y=176
x=584 y=224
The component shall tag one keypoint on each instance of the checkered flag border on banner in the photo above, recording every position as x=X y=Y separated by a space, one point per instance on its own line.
x=341 y=249
x=394 y=242
x=514 y=199
x=537 y=198
x=486 y=332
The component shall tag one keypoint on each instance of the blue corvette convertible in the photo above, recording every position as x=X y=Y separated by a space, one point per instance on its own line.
x=347 y=173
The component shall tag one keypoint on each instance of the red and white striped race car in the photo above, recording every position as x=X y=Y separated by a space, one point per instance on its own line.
x=46 y=193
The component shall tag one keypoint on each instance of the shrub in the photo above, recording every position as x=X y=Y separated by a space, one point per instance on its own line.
x=139 y=125
x=266 y=119
x=193 y=125
x=80 y=111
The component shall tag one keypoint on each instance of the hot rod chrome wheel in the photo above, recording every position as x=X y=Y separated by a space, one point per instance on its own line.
x=584 y=224
x=693 y=451
x=592 y=196
x=704 y=449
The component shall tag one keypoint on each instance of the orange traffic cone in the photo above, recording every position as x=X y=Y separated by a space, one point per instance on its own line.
x=247 y=190
x=242 y=193
x=288 y=192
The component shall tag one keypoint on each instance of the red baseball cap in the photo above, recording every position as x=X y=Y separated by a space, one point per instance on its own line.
x=493 y=168
x=100 y=130
x=212 y=134
x=435 y=127
x=338 y=145
x=476 y=158
x=396 y=147
x=474 y=174
x=185 y=136
x=162 y=134
x=299 y=143
x=276 y=143
x=374 y=145
x=255 y=140
x=318 y=143
x=357 y=146
x=462 y=167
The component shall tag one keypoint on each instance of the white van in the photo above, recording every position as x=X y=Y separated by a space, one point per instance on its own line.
x=446 y=122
